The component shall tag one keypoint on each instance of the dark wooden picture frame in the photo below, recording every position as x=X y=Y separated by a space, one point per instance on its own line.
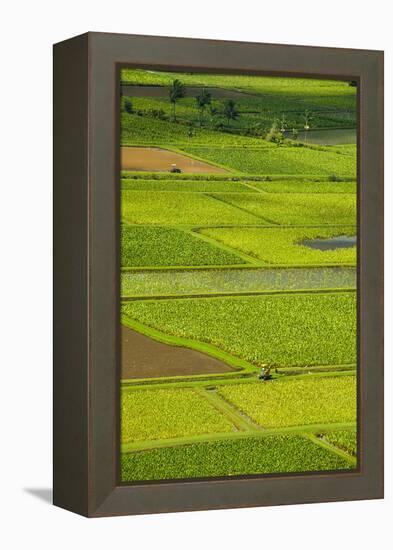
x=86 y=273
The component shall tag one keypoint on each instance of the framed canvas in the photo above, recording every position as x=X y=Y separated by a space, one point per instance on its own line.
x=218 y=274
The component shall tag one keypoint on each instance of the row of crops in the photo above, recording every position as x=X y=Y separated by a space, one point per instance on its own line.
x=219 y=264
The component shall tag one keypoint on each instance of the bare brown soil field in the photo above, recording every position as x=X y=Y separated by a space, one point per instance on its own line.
x=143 y=357
x=154 y=159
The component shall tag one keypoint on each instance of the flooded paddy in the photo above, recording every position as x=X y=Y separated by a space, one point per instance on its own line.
x=204 y=281
x=331 y=244
x=155 y=159
x=338 y=136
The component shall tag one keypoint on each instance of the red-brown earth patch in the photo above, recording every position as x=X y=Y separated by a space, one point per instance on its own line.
x=143 y=357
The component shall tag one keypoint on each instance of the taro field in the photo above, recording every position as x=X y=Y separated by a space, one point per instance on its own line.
x=238 y=275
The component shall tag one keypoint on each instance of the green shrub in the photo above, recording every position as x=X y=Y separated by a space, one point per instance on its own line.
x=128 y=106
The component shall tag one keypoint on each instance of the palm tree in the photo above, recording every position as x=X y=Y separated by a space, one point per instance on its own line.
x=191 y=131
x=283 y=123
x=231 y=112
x=176 y=91
x=203 y=99
x=214 y=112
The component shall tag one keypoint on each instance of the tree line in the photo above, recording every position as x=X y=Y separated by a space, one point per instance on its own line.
x=229 y=111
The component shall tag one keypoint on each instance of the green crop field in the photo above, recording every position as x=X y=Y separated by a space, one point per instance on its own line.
x=238 y=277
x=263 y=455
x=343 y=439
x=297 y=209
x=284 y=245
x=145 y=130
x=165 y=413
x=296 y=402
x=277 y=93
x=263 y=84
x=262 y=329
x=277 y=160
x=305 y=187
x=169 y=247
x=161 y=208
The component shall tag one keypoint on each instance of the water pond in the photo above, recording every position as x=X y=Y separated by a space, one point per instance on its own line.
x=227 y=281
x=343 y=241
x=338 y=136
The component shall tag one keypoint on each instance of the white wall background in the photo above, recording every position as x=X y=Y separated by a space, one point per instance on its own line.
x=28 y=30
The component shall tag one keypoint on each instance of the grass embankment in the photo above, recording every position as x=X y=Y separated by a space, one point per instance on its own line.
x=130 y=176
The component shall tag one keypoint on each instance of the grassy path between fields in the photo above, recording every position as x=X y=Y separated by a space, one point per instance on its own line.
x=232 y=413
x=229 y=267
x=153 y=297
x=242 y=209
x=283 y=374
x=308 y=431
